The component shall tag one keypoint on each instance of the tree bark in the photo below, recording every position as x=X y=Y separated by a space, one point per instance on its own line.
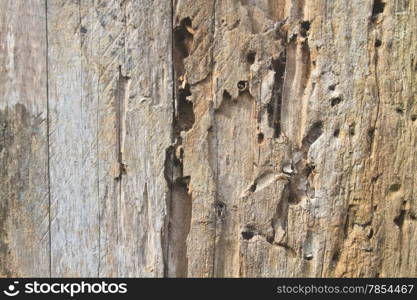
x=208 y=138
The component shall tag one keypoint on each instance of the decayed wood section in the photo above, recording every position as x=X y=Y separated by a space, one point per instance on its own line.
x=208 y=138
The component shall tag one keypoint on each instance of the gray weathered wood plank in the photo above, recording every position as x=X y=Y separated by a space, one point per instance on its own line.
x=72 y=143
x=24 y=201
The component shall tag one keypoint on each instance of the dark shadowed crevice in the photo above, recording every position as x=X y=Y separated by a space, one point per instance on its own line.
x=183 y=107
x=378 y=7
x=179 y=202
x=399 y=220
x=122 y=92
x=304 y=28
x=184 y=119
x=242 y=86
x=248 y=232
x=260 y=138
x=306 y=63
x=251 y=57
x=370 y=138
x=394 y=187
x=335 y=100
x=182 y=44
x=220 y=208
x=179 y=215
x=335 y=259
x=313 y=134
x=274 y=106
x=300 y=183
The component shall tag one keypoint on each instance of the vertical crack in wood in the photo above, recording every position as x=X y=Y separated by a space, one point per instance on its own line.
x=177 y=222
x=122 y=97
x=275 y=105
x=216 y=156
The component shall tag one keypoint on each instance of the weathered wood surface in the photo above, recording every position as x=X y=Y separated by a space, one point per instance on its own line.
x=109 y=93
x=208 y=138
x=24 y=186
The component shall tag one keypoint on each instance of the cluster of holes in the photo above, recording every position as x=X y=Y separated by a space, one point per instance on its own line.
x=335 y=100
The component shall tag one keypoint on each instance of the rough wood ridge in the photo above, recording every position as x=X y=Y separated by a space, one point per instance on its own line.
x=208 y=138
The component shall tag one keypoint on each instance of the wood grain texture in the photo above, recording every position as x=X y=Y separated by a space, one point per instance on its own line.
x=208 y=138
x=314 y=182
x=108 y=217
x=145 y=128
x=24 y=198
